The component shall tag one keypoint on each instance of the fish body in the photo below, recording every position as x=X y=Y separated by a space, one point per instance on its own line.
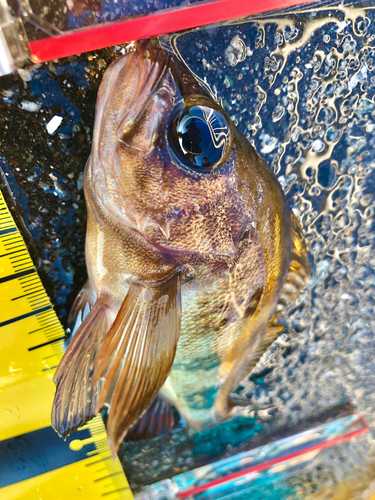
x=192 y=251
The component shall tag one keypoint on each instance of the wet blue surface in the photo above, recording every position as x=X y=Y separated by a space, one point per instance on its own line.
x=42 y=172
x=302 y=88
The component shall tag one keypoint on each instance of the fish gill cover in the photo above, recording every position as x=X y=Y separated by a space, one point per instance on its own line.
x=301 y=86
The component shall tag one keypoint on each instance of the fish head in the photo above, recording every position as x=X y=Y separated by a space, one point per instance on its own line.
x=164 y=156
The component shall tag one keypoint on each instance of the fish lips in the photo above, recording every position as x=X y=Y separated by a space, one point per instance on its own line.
x=148 y=68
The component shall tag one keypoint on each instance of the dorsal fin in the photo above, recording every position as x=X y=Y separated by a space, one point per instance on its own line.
x=295 y=279
x=299 y=269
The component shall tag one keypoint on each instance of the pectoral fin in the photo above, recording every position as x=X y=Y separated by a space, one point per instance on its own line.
x=76 y=399
x=83 y=303
x=136 y=355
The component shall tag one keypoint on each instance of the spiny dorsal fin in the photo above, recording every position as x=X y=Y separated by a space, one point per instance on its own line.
x=295 y=280
x=299 y=268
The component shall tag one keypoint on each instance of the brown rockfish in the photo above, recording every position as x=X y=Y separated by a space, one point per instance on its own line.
x=192 y=251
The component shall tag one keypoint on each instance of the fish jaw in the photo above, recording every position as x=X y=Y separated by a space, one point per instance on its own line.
x=126 y=88
x=129 y=91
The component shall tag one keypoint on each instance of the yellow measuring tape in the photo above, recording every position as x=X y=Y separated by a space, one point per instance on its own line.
x=35 y=463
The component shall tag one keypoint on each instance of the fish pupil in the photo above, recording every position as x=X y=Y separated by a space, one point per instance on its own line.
x=195 y=137
x=199 y=137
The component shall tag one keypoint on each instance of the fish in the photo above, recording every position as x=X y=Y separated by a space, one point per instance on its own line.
x=192 y=253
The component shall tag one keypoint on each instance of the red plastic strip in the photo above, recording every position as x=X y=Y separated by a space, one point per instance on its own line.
x=168 y=21
x=275 y=461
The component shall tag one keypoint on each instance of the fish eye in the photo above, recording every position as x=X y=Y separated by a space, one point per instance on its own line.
x=199 y=137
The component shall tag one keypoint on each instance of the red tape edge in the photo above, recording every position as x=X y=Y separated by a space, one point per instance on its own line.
x=168 y=21
x=275 y=461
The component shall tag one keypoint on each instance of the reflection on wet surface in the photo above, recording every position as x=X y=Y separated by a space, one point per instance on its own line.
x=71 y=14
x=42 y=166
x=301 y=86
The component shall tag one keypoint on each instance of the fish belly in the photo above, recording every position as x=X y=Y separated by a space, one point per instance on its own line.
x=194 y=381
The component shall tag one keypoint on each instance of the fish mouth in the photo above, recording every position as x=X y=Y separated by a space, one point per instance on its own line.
x=151 y=67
